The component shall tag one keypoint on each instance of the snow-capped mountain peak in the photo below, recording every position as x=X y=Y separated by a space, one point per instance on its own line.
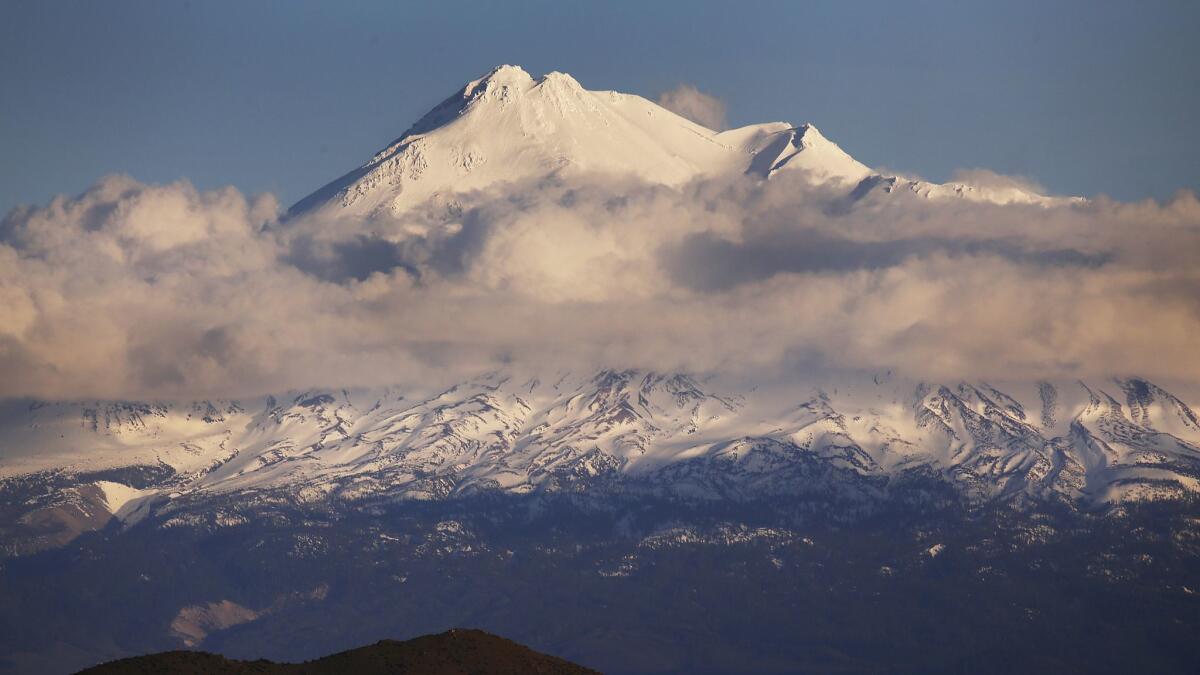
x=510 y=126
x=504 y=75
x=804 y=148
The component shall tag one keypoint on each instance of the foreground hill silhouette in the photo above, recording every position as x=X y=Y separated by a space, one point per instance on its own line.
x=455 y=652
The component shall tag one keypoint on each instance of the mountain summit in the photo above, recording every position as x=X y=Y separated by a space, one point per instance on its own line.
x=508 y=125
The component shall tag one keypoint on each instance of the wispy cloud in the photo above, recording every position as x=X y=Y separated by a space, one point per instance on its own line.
x=687 y=101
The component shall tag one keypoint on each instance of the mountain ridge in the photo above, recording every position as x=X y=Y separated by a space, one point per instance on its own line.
x=672 y=435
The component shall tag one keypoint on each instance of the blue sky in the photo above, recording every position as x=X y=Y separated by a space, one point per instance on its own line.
x=1084 y=97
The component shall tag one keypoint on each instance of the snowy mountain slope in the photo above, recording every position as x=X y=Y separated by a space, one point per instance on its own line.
x=1091 y=445
x=94 y=435
x=886 y=185
x=804 y=149
x=508 y=126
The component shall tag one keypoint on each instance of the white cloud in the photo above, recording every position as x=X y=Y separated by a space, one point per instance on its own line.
x=986 y=178
x=687 y=101
x=137 y=291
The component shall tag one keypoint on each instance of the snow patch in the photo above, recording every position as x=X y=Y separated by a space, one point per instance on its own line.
x=116 y=495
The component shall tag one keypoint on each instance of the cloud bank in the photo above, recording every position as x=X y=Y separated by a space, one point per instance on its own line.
x=687 y=101
x=139 y=291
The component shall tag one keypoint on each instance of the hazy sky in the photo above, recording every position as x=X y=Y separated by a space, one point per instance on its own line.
x=1084 y=97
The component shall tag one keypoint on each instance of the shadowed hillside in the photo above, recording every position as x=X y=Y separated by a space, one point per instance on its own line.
x=454 y=652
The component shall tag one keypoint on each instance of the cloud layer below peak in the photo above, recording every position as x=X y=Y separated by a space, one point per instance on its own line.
x=138 y=291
